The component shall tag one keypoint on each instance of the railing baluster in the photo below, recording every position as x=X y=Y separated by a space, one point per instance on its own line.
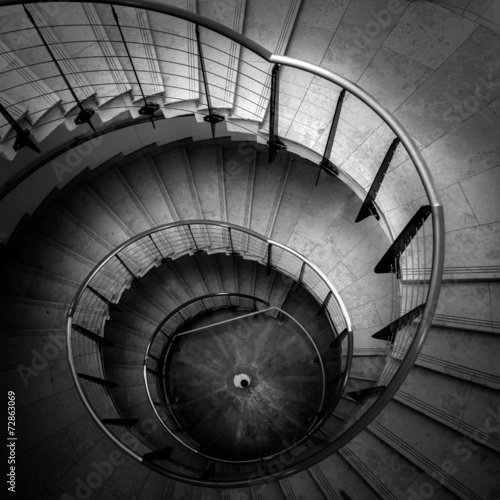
x=98 y=380
x=325 y=163
x=361 y=394
x=231 y=240
x=22 y=136
x=156 y=246
x=389 y=332
x=112 y=306
x=85 y=113
x=274 y=142
x=212 y=118
x=339 y=339
x=369 y=208
x=325 y=303
x=91 y=335
x=162 y=454
x=192 y=237
x=134 y=281
x=149 y=108
x=401 y=242
x=269 y=259
x=297 y=284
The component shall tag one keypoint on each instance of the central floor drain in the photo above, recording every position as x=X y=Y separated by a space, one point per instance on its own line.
x=241 y=380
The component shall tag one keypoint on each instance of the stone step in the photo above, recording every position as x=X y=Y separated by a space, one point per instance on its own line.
x=67 y=413
x=273 y=32
x=136 y=30
x=269 y=183
x=155 y=486
x=17 y=111
x=32 y=51
x=207 y=171
x=404 y=430
x=80 y=29
x=208 y=268
x=137 y=300
x=113 y=189
x=174 y=171
x=454 y=403
x=239 y=162
x=175 y=45
x=132 y=319
x=19 y=280
x=221 y=54
x=463 y=261
x=226 y=266
x=121 y=334
x=465 y=305
x=335 y=474
x=92 y=213
x=189 y=273
x=386 y=471
x=20 y=313
x=281 y=286
x=463 y=354
x=23 y=86
x=302 y=483
x=246 y=273
x=123 y=354
x=168 y=278
x=60 y=224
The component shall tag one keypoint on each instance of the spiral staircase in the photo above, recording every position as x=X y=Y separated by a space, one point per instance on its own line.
x=221 y=262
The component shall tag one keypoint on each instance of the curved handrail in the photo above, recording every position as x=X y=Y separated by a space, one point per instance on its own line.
x=158 y=229
x=171 y=339
x=416 y=157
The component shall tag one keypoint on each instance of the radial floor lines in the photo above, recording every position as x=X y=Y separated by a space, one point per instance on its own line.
x=245 y=386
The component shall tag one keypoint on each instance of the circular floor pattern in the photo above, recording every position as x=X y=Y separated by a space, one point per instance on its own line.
x=244 y=396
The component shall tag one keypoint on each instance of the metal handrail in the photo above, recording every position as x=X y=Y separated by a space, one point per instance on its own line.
x=171 y=339
x=158 y=229
x=419 y=163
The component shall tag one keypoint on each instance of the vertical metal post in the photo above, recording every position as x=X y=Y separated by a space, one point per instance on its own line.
x=85 y=113
x=134 y=277
x=149 y=108
x=22 y=136
x=231 y=241
x=325 y=303
x=156 y=246
x=368 y=208
x=274 y=142
x=269 y=259
x=401 y=242
x=297 y=284
x=192 y=237
x=212 y=118
x=325 y=163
